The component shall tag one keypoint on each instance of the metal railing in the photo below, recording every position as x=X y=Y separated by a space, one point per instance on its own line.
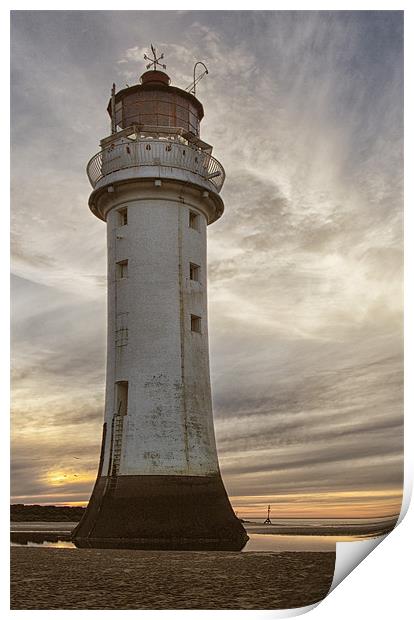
x=155 y=152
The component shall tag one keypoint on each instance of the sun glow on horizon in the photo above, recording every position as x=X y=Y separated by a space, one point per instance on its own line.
x=338 y=504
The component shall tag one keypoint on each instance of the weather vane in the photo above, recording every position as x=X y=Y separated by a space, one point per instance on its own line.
x=154 y=61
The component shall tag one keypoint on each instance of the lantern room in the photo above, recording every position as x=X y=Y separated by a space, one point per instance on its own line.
x=155 y=103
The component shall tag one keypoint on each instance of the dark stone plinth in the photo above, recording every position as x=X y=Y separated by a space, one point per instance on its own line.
x=160 y=512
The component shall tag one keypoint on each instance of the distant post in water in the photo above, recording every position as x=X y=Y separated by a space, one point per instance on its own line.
x=157 y=187
x=268 y=521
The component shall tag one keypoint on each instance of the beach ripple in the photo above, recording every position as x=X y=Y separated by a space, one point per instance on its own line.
x=55 y=578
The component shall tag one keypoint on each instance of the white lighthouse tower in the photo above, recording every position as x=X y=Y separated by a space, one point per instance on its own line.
x=156 y=185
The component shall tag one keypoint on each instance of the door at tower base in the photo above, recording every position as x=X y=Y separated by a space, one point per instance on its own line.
x=160 y=512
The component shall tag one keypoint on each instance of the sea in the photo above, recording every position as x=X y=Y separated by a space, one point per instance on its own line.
x=281 y=535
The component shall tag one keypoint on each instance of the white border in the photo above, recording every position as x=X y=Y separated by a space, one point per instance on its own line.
x=379 y=587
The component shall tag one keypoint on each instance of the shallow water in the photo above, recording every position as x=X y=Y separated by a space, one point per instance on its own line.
x=281 y=542
x=46 y=526
x=64 y=544
x=257 y=542
x=270 y=541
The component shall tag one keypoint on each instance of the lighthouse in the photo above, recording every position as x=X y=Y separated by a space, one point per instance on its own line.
x=157 y=187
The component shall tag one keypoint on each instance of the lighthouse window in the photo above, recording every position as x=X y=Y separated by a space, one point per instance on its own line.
x=196 y=323
x=122 y=269
x=123 y=216
x=121 y=398
x=193 y=220
x=194 y=272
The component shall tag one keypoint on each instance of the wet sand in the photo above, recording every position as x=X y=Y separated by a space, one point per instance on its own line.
x=364 y=530
x=53 y=578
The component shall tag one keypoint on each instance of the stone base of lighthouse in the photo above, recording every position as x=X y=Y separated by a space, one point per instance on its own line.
x=160 y=512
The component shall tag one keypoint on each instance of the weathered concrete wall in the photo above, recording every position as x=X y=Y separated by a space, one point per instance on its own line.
x=168 y=428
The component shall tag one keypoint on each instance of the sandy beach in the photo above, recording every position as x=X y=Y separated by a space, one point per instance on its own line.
x=288 y=564
x=53 y=578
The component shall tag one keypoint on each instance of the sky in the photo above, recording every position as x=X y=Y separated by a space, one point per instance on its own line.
x=305 y=112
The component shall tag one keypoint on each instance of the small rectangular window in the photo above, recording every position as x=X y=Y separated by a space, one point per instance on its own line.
x=122 y=269
x=123 y=216
x=196 y=323
x=193 y=220
x=194 y=272
x=121 y=398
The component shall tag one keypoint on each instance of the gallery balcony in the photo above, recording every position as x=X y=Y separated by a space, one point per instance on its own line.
x=170 y=157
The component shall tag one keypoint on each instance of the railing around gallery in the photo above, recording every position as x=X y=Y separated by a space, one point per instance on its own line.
x=155 y=152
